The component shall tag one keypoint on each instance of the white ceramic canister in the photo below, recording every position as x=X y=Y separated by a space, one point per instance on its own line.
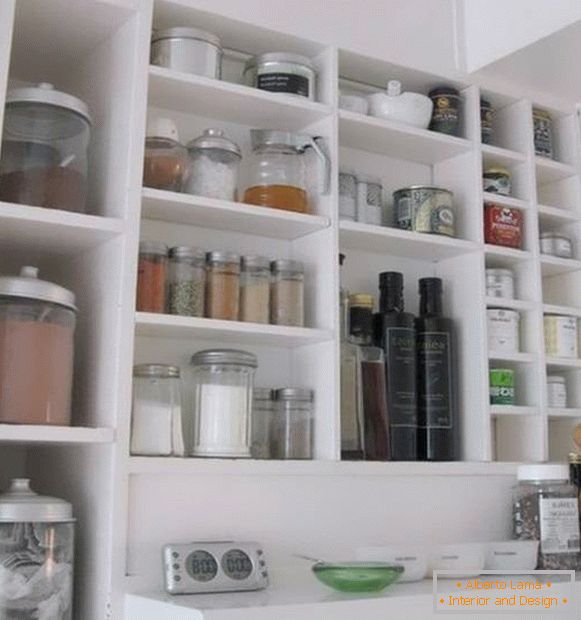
x=503 y=330
x=557 y=391
x=560 y=336
x=556 y=245
x=500 y=283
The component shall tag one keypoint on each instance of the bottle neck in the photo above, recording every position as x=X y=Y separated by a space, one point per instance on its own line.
x=361 y=325
x=431 y=303
x=391 y=300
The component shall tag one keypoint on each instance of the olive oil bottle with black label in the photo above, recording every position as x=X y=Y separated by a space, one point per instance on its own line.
x=437 y=423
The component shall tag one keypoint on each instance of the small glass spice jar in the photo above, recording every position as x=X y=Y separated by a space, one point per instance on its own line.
x=255 y=289
x=187 y=281
x=222 y=285
x=557 y=391
x=262 y=420
x=486 y=116
x=292 y=433
x=347 y=196
x=446 y=111
x=165 y=159
x=369 y=200
x=287 y=293
x=152 y=277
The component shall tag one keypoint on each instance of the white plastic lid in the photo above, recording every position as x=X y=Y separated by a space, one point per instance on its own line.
x=552 y=471
x=394 y=88
x=162 y=128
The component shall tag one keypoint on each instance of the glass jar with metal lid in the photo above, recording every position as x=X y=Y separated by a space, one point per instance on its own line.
x=37 y=548
x=37 y=327
x=556 y=244
x=223 y=285
x=222 y=381
x=187 y=281
x=152 y=277
x=287 y=305
x=292 y=434
x=281 y=72
x=262 y=420
x=187 y=49
x=213 y=166
x=156 y=419
x=255 y=289
x=44 y=149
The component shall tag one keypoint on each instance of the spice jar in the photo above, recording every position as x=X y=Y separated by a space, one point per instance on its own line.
x=545 y=508
x=501 y=386
x=280 y=72
x=500 y=283
x=262 y=420
x=255 y=289
x=44 y=149
x=213 y=166
x=496 y=180
x=222 y=285
x=347 y=196
x=287 y=293
x=165 y=158
x=369 y=200
x=156 y=418
x=187 y=281
x=37 y=549
x=555 y=244
x=152 y=277
x=486 y=116
x=446 y=110
x=557 y=391
x=292 y=436
x=222 y=382
x=543 y=133
x=560 y=335
x=37 y=327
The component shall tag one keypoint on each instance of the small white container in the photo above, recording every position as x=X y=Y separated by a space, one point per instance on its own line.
x=503 y=330
x=554 y=244
x=461 y=559
x=369 y=200
x=500 y=283
x=512 y=555
x=347 y=195
x=413 y=559
x=557 y=391
x=353 y=103
x=560 y=336
x=407 y=108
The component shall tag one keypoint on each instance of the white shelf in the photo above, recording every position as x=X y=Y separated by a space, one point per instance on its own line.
x=513 y=410
x=565 y=412
x=376 y=135
x=555 y=216
x=524 y=358
x=57 y=435
x=563 y=363
x=193 y=94
x=509 y=255
x=514 y=304
x=387 y=240
x=554 y=265
x=549 y=170
x=498 y=156
x=506 y=201
x=565 y=310
x=220 y=214
x=169 y=326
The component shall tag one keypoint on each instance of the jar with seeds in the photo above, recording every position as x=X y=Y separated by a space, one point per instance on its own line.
x=187 y=281
x=287 y=293
x=255 y=289
x=222 y=285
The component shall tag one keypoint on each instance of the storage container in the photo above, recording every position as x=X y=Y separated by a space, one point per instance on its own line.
x=255 y=289
x=486 y=116
x=187 y=281
x=223 y=285
x=503 y=330
x=37 y=328
x=222 y=381
x=560 y=335
x=446 y=111
x=353 y=103
x=369 y=200
x=557 y=391
x=425 y=209
x=460 y=560
x=502 y=386
x=152 y=277
x=405 y=108
x=44 y=149
x=543 y=133
x=287 y=305
x=37 y=549
x=414 y=559
x=292 y=436
x=512 y=555
x=497 y=181
x=281 y=72
x=347 y=196
x=166 y=159
x=555 y=244
x=503 y=226
x=500 y=283
x=262 y=421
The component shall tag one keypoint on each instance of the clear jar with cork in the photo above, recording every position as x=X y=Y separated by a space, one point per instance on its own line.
x=287 y=293
x=223 y=285
x=255 y=289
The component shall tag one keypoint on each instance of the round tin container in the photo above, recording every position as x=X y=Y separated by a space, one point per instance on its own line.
x=557 y=391
x=500 y=283
x=501 y=386
x=503 y=330
x=280 y=72
x=503 y=225
x=446 y=111
x=560 y=335
x=556 y=245
x=424 y=209
x=496 y=180
x=543 y=133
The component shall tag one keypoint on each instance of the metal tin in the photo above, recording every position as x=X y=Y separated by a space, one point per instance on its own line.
x=500 y=283
x=486 y=116
x=503 y=225
x=446 y=111
x=501 y=386
x=503 y=330
x=27 y=285
x=557 y=391
x=543 y=133
x=496 y=180
x=280 y=72
x=556 y=244
x=424 y=209
x=560 y=335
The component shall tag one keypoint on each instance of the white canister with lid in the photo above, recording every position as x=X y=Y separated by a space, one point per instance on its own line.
x=557 y=391
x=500 y=283
x=560 y=336
x=281 y=72
x=503 y=330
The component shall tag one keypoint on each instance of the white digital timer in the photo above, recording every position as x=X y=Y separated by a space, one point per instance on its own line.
x=224 y=566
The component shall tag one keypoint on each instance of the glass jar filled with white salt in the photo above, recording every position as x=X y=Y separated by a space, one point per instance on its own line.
x=222 y=381
x=213 y=166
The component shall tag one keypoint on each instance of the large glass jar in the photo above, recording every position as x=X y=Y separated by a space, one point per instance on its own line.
x=37 y=543
x=37 y=326
x=152 y=277
x=255 y=289
x=187 y=281
x=287 y=306
x=44 y=149
x=545 y=508
x=262 y=420
x=165 y=160
x=222 y=383
x=292 y=429
x=223 y=286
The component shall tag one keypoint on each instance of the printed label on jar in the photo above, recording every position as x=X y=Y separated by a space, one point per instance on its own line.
x=435 y=396
x=284 y=83
x=503 y=333
x=401 y=376
x=559 y=520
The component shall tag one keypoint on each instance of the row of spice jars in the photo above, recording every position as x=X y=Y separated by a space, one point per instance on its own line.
x=503 y=386
x=219 y=285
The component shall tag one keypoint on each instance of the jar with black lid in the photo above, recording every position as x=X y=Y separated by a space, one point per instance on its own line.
x=446 y=112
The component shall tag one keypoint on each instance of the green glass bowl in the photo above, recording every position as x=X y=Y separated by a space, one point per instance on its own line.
x=357 y=576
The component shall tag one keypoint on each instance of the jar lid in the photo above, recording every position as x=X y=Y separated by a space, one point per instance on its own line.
x=276 y=57
x=153 y=247
x=220 y=256
x=574 y=458
x=46 y=93
x=444 y=91
x=497 y=170
x=224 y=356
x=284 y=264
x=185 y=33
x=553 y=471
x=294 y=394
x=184 y=251
x=262 y=394
x=27 y=285
x=214 y=139
x=158 y=127
x=255 y=262
x=541 y=113
x=361 y=299
x=499 y=272
x=554 y=235
x=274 y=137
x=424 y=187
x=20 y=504
x=556 y=379
x=163 y=371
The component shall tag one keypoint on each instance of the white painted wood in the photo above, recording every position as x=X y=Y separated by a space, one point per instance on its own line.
x=516 y=410
x=54 y=435
x=506 y=201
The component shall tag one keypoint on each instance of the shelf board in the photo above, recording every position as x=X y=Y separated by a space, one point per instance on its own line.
x=506 y=255
x=566 y=412
x=554 y=265
x=514 y=410
x=565 y=310
x=185 y=327
x=224 y=215
x=556 y=216
x=384 y=137
x=563 y=363
x=506 y=201
x=524 y=358
x=498 y=156
x=406 y=243
x=549 y=170
x=32 y=434
x=514 y=304
x=226 y=101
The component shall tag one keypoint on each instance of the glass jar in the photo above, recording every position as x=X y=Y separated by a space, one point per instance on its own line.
x=292 y=431
x=222 y=382
x=44 y=149
x=37 y=328
x=222 y=285
x=156 y=419
x=152 y=277
x=187 y=281
x=37 y=549
x=255 y=289
x=545 y=508
x=165 y=160
x=213 y=166
x=262 y=419
x=347 y=196
x=287 y=306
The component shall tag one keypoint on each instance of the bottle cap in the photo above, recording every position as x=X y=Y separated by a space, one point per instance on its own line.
x=391 y=279
x=361 y=300
x=430 y=284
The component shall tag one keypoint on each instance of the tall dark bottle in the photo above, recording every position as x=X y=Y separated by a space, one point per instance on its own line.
x=437 y=423
x=395 y=333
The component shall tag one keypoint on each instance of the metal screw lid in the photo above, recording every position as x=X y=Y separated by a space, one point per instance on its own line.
x=214 y=139
x=361 y=299
x=289 y=393
x=27 y=285
x=255 y=262
x=283 y=264
x=262 y=394
x=184 y=251
x=153 y=247
x=220 y=256
x=185 y=33
x=20 y=504
x=224 y=356
x=574 y=458
x=162 y=371
x=278 y=57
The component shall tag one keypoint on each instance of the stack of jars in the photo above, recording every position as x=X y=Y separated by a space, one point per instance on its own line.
x=219 y=285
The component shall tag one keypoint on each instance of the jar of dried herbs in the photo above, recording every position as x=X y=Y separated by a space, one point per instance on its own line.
x=187 y=281
x=545 y=508
x=222 y=285
x=287 y=293
x=255 y=289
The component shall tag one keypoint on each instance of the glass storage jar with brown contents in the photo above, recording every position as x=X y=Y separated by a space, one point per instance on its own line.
x=287 y=293
x=152 y=277
x=255 y=289
x=165 y=160
x=222 y=285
